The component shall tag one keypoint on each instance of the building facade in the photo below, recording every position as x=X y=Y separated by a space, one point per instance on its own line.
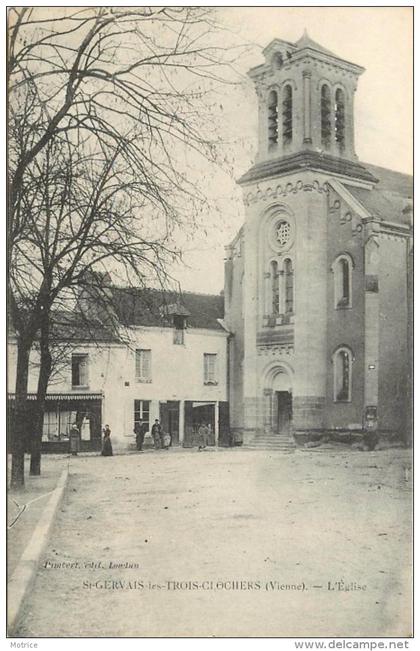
x=164 y=361
x=318 y=279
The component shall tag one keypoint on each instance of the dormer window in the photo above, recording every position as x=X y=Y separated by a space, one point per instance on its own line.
x=273 y=119
x=179 y=329
x=287 y=114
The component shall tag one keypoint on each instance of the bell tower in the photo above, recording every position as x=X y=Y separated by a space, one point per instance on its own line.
x=306 y=99
x=305 y=146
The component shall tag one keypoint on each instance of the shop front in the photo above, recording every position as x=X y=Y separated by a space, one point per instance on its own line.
x=62 y=410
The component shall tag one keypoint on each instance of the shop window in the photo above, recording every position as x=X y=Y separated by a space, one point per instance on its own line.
x=342 y=374
x=143 y=365
x=210 y=368
x=142 y=412
x=79 y=371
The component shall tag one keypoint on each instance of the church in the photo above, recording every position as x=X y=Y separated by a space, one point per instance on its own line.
x=318 y=281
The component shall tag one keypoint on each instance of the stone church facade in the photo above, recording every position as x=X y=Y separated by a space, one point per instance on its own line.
x=318 y=279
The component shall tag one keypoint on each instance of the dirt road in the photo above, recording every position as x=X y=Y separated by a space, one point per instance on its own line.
x=229 y=543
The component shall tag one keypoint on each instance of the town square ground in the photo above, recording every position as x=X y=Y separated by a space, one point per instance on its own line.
x=230 y=542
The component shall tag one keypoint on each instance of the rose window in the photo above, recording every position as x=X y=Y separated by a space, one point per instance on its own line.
x=283 y=231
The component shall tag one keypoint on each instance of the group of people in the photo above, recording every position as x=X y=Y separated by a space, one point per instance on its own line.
x=161 y=440
x=204 y=432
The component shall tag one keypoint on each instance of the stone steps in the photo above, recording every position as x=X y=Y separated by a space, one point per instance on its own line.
x=272 y=442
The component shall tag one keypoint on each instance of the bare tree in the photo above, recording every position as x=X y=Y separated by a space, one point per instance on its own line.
x=107 y=114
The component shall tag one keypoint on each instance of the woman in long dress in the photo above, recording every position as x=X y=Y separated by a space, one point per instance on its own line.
x=106 y=442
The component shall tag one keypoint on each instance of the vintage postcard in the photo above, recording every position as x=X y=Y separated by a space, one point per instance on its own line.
x=210 y=322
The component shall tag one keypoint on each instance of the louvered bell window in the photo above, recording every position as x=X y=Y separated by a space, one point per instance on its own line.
x=325 y=116
x=340 y=118
x=287 y=114
x=273 y=119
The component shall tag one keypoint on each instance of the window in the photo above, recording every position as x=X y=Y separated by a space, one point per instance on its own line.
x=210 y=368
x=142 y=412
x=179 y=325
x=178 y=336
x=79 y=371
x=339 y=118
x=342 y=374
x=288 y=286
x=273 y=119
x=287 y=114
x=342 y=269
x=325 y=116
x=143 y=365
x=275 y=288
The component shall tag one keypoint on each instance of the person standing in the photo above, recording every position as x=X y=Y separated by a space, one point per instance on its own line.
x=157 y=434
x=74 y=439
x=202 y=437
x=140 y=430
x=106 y=442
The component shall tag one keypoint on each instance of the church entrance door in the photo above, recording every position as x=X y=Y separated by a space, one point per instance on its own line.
x=284 y=411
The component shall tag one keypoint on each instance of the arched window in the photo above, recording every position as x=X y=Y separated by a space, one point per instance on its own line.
x=288 y=286
x=340 y=118
x=275 y=288
x=342 y=268
x=273 y=119
x=342 y=360
x=287 y=114
x=325 y=115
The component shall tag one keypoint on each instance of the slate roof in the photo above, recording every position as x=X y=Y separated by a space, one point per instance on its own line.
x=391 y=198
x=153 y=307
x=306 y=41
x=73 y=326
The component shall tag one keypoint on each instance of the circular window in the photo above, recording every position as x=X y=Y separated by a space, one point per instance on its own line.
x=280 y=233
x=283 y=232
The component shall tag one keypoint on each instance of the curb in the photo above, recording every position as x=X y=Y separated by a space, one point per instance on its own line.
x=23 y=577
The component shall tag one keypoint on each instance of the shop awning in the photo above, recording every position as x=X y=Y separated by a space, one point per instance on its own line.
x=62 y=396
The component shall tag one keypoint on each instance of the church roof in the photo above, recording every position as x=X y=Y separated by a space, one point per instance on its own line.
x=306 y=41
x=391 y=198
x=303 y=43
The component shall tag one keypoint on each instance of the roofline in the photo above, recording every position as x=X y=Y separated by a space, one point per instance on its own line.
x=326 y=57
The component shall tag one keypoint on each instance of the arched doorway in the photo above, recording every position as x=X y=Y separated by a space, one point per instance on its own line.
x=279 y=402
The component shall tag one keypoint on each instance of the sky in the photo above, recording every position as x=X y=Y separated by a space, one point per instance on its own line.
x=377 y=38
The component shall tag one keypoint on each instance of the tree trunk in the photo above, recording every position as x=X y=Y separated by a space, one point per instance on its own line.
x=20 y=419
x=43 y=379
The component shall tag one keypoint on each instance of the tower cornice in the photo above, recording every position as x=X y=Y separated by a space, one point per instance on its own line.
x=306 y=160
